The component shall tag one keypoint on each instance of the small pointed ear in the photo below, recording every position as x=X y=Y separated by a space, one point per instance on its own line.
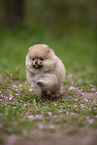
x=29 y=48
x=52 y=50
x=49 y=49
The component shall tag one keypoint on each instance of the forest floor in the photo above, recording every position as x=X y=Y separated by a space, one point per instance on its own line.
x=69 y=119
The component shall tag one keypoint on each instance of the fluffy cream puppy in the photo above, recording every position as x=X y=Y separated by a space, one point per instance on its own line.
x=45 y=72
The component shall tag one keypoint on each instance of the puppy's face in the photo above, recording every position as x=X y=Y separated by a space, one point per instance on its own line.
x=37 y=63
x=39 y=57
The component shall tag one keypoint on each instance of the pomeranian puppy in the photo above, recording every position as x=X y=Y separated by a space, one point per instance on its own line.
x=45 y=72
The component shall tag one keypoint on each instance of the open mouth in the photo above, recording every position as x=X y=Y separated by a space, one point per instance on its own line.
x=37 y=66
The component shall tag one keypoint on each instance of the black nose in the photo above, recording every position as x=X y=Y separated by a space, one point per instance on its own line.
x=36 y=62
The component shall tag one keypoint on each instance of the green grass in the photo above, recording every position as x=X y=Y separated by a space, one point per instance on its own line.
x=26 y=118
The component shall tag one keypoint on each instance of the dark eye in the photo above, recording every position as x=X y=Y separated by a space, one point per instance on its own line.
x=33 y=59
x=41 y=59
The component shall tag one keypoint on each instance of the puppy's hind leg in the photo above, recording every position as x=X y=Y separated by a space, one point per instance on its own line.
x=59 y=91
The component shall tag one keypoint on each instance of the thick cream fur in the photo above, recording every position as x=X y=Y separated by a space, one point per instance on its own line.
x=47 y=80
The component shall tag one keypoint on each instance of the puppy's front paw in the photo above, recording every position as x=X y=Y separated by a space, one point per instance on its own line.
x=40 y=83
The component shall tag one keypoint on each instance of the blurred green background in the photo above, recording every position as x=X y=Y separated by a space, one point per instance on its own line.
x=69 y=27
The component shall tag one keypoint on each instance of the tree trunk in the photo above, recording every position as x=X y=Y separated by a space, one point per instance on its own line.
x=14 y=12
